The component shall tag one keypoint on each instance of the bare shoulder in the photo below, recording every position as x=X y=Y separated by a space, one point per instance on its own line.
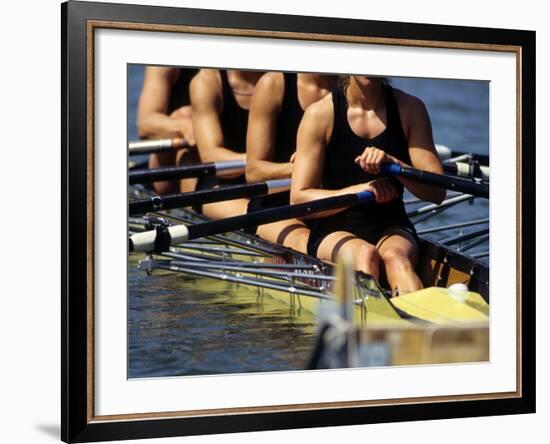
x=205 y=86
x=407 y=102
x=207 y=78
x=321 y=111
x=161 y=72
x=270 y=89
x=319 y=116
x=271 y=81
x=413 y=112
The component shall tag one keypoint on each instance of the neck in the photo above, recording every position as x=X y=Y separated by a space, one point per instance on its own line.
x=367 y=96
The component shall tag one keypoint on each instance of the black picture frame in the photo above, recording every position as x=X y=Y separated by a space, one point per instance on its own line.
x=77 y=423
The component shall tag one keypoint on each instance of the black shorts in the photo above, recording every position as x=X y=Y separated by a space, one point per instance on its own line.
x=370 y=222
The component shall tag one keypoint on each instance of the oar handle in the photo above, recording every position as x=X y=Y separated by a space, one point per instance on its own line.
x=156 y=145
x=473 y=186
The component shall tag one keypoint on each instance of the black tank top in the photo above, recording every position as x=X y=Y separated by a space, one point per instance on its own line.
x=340 y=169
x=288 y=120
x=345 y=145
x=179 y=93
x=368 y=221
x=234 y=119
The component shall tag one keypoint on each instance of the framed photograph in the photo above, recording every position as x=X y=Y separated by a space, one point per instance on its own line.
x=275 y=221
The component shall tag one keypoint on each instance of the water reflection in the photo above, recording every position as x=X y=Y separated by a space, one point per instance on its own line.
x=179 y=325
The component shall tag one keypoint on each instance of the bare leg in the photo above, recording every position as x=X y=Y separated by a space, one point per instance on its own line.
x=291 y=233
x=187 y=156
x=366 y=256
x=220 y=210
x=159 y=160
x=399 y=253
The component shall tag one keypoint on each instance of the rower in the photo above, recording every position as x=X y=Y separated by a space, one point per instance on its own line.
x=221 y=100
x=342 y=142
x=275 y=114
x=164 y=110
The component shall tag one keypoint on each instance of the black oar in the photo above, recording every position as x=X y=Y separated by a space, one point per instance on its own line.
x=161 y=239
x=181 y=200
x=156 y=146
x=473 y=186
x=184 y=171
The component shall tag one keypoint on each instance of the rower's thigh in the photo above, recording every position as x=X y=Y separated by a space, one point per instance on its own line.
x=187 y=156
x=157 y=160
x=291 y=233
x=340 y=241
x=398 y=246
x=220 y=210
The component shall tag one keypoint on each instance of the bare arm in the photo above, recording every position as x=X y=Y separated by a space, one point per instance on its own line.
x=313 y=134
x=206 y=99
x=152 y=120
x=422 y=152
x=262 y=131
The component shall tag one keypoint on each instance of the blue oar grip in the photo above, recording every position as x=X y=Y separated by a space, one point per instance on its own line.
x=365 y=196
x=391 y=168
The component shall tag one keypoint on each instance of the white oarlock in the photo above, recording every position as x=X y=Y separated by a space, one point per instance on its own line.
x=145 y=242
x=444 y=152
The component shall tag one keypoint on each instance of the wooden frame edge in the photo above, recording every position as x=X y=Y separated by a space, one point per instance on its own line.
x=76 y=17
x=92 y=25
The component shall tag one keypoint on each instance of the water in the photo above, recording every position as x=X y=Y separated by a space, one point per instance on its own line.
x=180 y=325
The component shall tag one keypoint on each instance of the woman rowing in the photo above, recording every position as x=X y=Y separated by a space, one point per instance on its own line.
x=164 y=110
x=275 y=114
x=342 y=142
x=221 y=100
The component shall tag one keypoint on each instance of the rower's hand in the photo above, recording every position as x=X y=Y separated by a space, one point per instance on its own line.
x=383 y=189
x=372 y=159
x=183 y=117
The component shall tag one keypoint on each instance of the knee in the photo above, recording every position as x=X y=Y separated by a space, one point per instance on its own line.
x=394 y=258
x=368 y=254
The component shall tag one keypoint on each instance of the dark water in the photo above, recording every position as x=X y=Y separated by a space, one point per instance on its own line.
x=181 y=325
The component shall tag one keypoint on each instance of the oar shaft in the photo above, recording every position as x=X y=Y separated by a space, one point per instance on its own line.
x=183 y=172
x=447 y=155
x=267 y=216
x=156 y=146
x=471 y=186
x=159 y=240
x=181 y=200
x=467 y=169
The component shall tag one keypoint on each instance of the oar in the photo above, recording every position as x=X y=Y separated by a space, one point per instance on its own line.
x=156 y=146
x=183 y=172
x=451 y=156
x=473 y=186
x=181 y=200
x=161 y=239
x=467 y=169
